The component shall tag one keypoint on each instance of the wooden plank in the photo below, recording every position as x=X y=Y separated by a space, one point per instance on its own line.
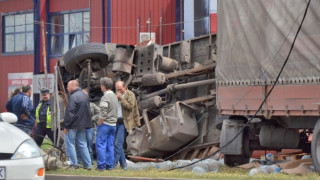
x=213 y=150
x=204 y=153
x=183 y=155
x=194 y=154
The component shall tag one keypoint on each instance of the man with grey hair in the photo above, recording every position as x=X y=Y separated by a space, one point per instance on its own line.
x=76 y=120
x=106 y=126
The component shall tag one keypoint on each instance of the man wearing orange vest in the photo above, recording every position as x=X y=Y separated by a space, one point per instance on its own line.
x=43 y=118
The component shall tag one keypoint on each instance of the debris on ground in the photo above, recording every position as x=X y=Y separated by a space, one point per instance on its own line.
x=297 y=167
x=284 y=163
x=266 y=169
x=250 y=165
x=208 y=165
x=51 y=159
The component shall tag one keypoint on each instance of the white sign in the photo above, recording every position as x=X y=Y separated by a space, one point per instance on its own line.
x=39 y=82
x=145 y=36
x=18 y=80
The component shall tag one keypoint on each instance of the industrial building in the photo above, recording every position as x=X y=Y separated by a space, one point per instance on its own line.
x=35 y=33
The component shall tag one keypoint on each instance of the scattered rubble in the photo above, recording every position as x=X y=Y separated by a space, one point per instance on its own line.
x=208 y=165
x=284 y=163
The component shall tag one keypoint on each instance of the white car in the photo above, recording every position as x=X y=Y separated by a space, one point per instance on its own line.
x=20 y=157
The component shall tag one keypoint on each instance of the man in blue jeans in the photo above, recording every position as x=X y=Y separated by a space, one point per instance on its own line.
x=77 y=119
x=106 y=126
x=120 y=136
x=121 y=131
x=94 y=112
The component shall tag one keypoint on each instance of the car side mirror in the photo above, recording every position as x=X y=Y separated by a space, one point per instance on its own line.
x=9 y=117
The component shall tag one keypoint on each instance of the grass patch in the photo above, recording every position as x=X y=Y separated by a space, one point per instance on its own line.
x=46 y=144
x=224 y=173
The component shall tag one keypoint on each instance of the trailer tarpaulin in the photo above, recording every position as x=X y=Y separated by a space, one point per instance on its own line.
x=254 y=39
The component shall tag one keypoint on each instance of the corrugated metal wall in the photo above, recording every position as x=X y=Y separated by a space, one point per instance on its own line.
x=118 y=25
x=213 y=15
x=95 y=18
x=124 y=15
x=96 y=21
x=213 y=23
x=67 y=5
x=17 y=63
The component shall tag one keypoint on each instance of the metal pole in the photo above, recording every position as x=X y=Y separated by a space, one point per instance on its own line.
x=146 y=120
x=103 y=21
x=161 y=26
x=150 y=28
x=175 y=87
x=44 y=54
x=180 y=21
x=89 y=75
x=138 y=30
x=148 y=24
x=56 y=98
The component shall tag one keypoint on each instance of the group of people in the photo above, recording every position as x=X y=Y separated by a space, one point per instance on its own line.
x=116 y=115
x=30 y=118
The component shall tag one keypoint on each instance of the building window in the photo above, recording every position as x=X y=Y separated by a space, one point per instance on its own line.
x=17 y=33
x=69 y=30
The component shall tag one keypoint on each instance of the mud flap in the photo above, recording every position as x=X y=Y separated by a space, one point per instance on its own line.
x=230 y=128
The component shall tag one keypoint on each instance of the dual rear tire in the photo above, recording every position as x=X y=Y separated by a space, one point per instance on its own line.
x=315 y=147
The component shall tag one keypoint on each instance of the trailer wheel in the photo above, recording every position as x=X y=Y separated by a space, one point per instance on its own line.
x=315 y=147
x=75 y=57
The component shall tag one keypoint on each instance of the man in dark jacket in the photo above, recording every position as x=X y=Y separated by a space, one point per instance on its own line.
x=24 y=110
x=76 y=120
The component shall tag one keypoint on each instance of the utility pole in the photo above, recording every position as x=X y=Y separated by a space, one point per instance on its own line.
x=44 y=54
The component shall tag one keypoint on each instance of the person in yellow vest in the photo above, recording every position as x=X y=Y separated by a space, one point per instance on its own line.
x=43 y=118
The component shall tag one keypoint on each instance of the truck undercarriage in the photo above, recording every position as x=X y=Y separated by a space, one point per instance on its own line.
x=174 y=85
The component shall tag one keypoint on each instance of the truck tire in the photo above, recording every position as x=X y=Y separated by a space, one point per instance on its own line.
x=238 y=152
x=315 y=147
x=94 y=51
x=235 y=160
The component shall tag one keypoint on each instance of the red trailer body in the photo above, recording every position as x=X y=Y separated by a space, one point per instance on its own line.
x=254 y=40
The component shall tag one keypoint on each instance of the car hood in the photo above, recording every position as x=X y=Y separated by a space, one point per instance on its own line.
x=10 y=137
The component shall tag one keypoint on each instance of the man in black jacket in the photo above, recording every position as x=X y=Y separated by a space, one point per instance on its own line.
x=77 y=119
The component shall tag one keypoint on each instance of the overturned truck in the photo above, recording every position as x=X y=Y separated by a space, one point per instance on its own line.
x=174 y=85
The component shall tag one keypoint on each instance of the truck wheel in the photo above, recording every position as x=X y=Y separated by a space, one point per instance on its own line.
x=315 y=147
x=238 y=152
x=235 y=160
x=96 y=52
